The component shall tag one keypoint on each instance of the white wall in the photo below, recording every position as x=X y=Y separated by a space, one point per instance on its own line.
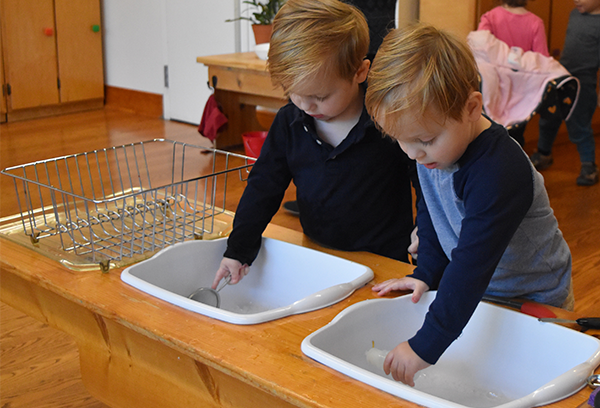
x=134 y=44
x=138 y=43
x=136 y=47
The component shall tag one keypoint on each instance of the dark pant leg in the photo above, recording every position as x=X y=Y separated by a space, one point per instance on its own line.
x=548 y=128
x=579 y=124
x=517 y=133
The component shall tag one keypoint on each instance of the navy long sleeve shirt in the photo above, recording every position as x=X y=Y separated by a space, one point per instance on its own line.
x=485 y=226
x=355 y=197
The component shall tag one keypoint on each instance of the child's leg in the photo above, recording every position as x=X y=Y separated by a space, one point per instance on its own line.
x=548 y=129
x=579 y=124
x=518 y=133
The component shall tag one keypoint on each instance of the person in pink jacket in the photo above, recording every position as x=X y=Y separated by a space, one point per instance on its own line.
x=513 y=24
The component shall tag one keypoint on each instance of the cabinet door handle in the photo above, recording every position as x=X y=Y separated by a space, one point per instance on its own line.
x=48 y=31
x=96 y=28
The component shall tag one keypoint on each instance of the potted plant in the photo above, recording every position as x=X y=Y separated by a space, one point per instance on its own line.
x=262 y=16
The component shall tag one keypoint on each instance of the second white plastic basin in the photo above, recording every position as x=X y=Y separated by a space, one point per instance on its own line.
x=503 y=358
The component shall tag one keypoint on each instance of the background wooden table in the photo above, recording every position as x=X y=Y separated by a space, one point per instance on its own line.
x=241 y=82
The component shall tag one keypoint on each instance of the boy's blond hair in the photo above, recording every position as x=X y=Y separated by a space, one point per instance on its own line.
x=419 y=68
x=312 y=34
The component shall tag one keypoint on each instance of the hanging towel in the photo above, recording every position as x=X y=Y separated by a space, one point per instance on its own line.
x=212 y=119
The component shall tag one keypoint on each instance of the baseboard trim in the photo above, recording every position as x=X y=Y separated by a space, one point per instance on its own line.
x=143 y=103
x=53 y=110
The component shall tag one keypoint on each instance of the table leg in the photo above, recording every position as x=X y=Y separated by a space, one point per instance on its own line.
x=241 y=116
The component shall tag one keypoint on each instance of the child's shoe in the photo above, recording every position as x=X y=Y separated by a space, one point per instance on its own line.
x=588 y=175
x=292 y=207
x=541 y=161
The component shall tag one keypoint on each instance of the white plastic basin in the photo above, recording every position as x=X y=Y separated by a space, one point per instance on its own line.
x=285 y=279
x=503 y=358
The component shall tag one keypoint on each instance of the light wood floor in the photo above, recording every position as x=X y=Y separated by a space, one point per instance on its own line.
x=39 y=365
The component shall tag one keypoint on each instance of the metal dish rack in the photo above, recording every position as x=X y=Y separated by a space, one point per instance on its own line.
x=121 y=204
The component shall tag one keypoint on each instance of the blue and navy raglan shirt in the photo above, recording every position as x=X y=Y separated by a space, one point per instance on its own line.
x=485 y=226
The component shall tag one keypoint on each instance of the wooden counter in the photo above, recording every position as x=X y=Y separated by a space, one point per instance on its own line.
x=241 y=82
x=139 y=351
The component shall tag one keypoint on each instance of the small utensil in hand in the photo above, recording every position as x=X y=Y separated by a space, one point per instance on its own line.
x=210 y=296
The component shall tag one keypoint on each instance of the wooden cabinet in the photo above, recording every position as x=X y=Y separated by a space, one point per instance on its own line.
x=79 y=48
x=558 y=21
x=2 y=87
x=458 y=17
x=52 y=54
x=30 y=53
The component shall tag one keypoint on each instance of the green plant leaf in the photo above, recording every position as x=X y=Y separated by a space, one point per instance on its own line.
x=264 y=15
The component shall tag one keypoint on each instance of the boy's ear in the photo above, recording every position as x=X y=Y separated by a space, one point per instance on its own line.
x=474 y=106
x=363 y=70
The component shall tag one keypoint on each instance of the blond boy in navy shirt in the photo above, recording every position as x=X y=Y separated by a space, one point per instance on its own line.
x=352 y=184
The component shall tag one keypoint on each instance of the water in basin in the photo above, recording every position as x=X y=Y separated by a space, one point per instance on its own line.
x=503 y=359
x=285 y=279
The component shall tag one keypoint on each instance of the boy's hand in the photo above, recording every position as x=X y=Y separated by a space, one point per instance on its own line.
x=231 y=267
x=413 y=248
x=407 y=283
x=403 y=363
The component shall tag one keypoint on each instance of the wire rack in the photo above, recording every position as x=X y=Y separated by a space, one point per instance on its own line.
x=124 y=202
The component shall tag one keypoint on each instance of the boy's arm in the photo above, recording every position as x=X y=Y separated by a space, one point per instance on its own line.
x=432 y=259
x=267 y=182
x=493 y=214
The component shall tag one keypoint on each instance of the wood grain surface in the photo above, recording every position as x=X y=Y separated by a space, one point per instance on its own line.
x=39 y=365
